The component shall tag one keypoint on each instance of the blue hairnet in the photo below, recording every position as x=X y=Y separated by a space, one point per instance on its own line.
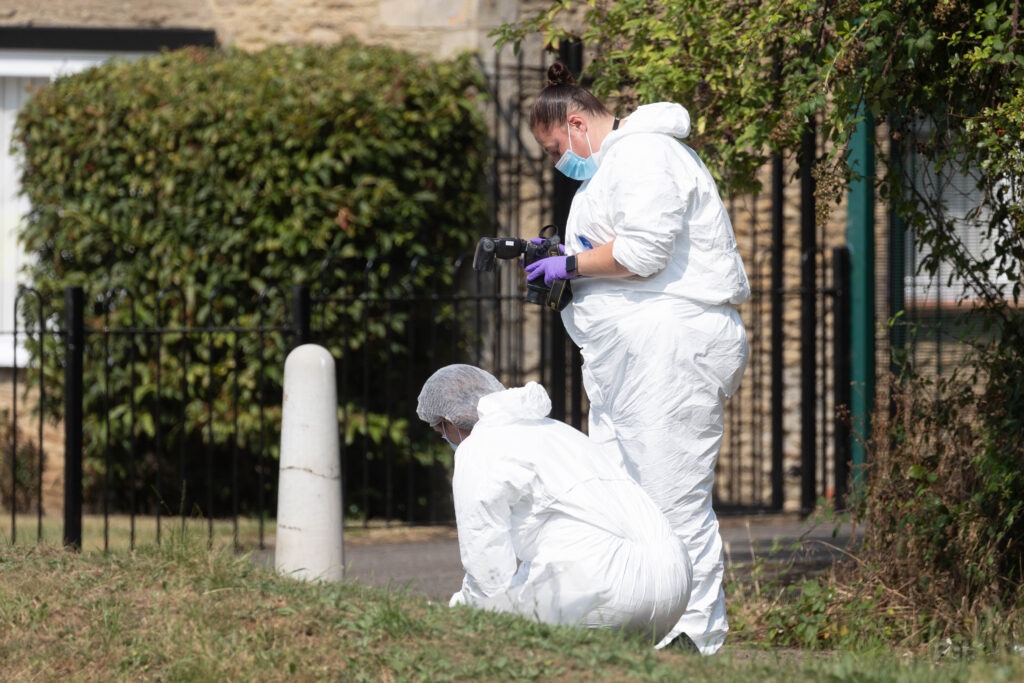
x=452 y=393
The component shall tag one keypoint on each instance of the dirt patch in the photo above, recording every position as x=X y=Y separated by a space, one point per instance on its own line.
x=373 y=535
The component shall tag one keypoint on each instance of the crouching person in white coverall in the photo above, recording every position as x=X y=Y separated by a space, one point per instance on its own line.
x=550 y=524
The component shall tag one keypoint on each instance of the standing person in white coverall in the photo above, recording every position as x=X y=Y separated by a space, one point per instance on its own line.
x=550 y=525
x=653 y=312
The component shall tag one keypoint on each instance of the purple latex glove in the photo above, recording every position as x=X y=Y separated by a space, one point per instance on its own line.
x=552 y=268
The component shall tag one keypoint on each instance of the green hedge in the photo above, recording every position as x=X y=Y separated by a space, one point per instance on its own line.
x=195 y=181
x=231 y=168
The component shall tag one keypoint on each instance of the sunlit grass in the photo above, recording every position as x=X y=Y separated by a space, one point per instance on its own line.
x=192 y=608
x=183 y=612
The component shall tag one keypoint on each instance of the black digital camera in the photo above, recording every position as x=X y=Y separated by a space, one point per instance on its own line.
x=488 y=249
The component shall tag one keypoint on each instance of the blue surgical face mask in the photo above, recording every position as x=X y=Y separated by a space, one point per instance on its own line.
x=448 y=441
x=572 y=165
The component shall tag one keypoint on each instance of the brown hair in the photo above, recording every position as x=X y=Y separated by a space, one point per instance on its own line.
x=560 y=97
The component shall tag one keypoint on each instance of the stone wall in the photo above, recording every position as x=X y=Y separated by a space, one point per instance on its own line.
x=108 y=13
x=439 y=28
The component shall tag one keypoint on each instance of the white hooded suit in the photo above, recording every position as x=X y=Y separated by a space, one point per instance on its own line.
x=553 y=528
x=663 y=350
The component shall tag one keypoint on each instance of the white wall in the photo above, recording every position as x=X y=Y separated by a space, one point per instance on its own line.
x=21 y=70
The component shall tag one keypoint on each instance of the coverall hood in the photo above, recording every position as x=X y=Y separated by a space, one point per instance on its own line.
x=530 y=402
x=663 y=118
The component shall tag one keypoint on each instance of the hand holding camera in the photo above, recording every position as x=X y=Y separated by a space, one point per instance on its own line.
x=552 y=268
x=555 y=293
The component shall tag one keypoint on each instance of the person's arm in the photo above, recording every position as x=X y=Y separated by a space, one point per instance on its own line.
x=650 y=203
x=651 y=200
x=600 y=262
x=484 y=517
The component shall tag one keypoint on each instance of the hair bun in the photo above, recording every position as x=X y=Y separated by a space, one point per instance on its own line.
x=559 y=74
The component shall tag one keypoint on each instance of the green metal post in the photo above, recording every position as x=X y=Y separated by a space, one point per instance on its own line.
x=860 y=237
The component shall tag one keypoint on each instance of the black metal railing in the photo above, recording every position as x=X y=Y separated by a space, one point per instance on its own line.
x=179 y=437
x=155 y=422
x=180 y=419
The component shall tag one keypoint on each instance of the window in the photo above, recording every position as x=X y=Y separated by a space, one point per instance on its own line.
x=964 y=206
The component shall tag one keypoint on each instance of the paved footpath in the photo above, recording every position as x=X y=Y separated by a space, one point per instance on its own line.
x=426 y=561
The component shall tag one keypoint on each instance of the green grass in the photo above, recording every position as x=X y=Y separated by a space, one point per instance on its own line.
x=184 y=612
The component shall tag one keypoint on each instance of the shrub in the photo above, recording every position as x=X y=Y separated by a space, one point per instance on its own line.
x=941 y=511
x=190 y=190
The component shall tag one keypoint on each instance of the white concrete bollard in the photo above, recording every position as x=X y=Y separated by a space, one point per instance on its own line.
x=310 y=545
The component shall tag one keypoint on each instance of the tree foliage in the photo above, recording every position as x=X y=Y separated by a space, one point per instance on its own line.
x=943 y=81
x=752 y=72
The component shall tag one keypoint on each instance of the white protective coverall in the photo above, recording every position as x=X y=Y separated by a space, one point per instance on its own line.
x=553 y=528
x=664 y=350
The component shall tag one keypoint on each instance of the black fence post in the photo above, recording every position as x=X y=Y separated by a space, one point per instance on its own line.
x=808 y=322
x=301 y=315
x=74 y=343
x=841 y=363
x=778 y=283
x=778 y=387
